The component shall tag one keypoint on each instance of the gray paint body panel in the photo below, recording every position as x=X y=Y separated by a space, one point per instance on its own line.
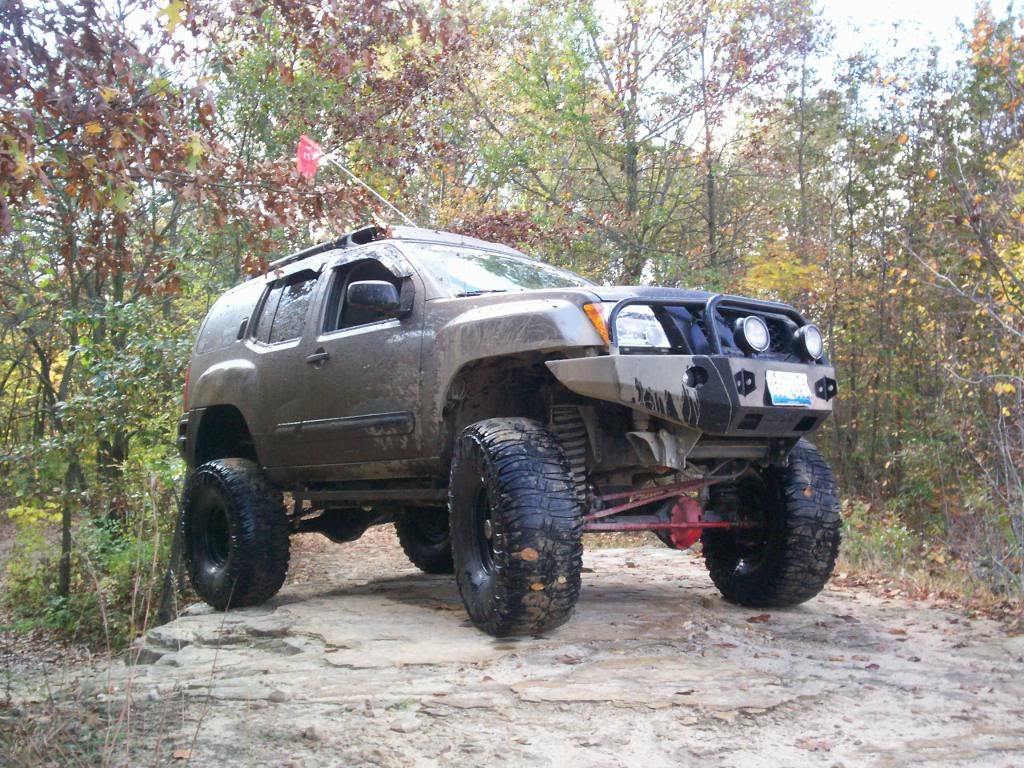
x=376 y=407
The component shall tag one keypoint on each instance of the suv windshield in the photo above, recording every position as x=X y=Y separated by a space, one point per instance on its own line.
x=468 y=271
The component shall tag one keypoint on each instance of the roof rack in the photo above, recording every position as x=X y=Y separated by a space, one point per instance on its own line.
x=361 y=236
x=368 y=234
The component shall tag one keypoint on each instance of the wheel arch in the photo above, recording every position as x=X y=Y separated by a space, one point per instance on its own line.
x=222 y=433
x=499 y=387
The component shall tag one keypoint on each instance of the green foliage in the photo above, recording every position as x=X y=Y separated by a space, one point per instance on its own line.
x=118 y=566
x=876 y=539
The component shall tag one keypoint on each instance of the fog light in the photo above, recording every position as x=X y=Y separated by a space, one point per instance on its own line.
x=751 y=333
x=811 y=342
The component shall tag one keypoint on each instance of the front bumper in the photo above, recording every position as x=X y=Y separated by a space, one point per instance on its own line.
x=716 y=394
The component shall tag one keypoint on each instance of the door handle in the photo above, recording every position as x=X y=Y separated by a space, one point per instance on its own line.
x=318 y=357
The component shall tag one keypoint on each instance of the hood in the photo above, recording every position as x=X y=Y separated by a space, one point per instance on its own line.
x=619 y=292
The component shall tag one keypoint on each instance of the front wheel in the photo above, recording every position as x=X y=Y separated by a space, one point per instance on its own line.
x=236 y=534
x=516 y=527
x=423 y=534
x=788 y=558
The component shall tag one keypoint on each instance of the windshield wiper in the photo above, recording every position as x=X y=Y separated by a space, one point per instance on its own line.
x=480 y=291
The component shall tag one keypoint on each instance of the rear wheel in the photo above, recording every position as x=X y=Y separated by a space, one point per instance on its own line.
x=236 y=534
x=516 y=527
x=423 y=534
x=789 y=557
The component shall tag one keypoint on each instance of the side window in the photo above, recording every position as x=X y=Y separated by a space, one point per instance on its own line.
x=283 y=314
x=339 y=314
x=261 y=328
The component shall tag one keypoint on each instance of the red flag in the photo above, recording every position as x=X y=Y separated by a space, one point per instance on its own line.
x=307 y=156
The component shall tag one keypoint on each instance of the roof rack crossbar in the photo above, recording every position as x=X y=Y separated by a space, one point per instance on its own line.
x=358 y=237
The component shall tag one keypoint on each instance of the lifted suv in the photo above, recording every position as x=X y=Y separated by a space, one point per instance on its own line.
x=494 y=408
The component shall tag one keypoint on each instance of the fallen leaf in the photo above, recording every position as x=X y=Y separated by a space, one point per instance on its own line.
x=761 y=618
x=872 y=667
x=181 y=754
x=567 y=659
x=530 y=555
x=897 y=631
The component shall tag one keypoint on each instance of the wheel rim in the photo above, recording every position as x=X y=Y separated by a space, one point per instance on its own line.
x=216 y=536
x=433 y=526
x=483 y=530
x=759 y=501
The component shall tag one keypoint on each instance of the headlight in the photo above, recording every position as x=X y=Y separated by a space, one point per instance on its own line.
x=638 y=327
x=810 y=341
x=751 y=334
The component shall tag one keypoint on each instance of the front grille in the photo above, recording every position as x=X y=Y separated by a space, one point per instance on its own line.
x=704 y=326
x=780 y=330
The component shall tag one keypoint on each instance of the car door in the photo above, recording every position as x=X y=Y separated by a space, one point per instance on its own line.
x=275 y=338
x=363 y=371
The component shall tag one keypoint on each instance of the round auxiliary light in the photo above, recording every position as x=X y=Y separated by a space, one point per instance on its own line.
x=811 y=342
x=751 y=334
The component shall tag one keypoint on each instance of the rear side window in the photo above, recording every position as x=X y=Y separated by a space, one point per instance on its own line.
x=282 y=316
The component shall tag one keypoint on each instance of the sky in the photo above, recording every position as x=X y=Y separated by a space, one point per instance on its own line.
x=920 y=22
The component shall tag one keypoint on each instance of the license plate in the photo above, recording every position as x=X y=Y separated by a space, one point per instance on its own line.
x=787 y=388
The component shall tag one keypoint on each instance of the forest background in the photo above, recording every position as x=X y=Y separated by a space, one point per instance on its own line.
x=147 y=163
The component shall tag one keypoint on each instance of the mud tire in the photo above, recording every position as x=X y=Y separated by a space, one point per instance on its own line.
x=525 y=578
x=791 y=558
x=425 y=539
x=236 y=534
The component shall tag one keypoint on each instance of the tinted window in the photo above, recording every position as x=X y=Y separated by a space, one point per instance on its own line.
x=339 y=313
x=291 y=310
x=261 y=330
x=283 y=314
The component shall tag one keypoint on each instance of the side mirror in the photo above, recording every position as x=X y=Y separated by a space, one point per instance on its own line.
x=377 y=296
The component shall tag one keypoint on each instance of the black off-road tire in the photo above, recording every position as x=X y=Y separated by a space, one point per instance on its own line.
x=236 y=534
x=423 y=534
x=789 y=558
x=510 y=477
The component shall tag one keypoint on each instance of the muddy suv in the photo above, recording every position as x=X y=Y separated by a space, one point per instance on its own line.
x=495 y=408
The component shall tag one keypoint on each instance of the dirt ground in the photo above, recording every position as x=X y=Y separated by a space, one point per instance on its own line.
x=364 y=661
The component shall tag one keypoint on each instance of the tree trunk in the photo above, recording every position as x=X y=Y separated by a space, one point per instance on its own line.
x=72 y=483
x=712 y=215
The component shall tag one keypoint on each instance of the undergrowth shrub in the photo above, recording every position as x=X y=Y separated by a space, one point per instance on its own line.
x=118 y=566
x=875 y=538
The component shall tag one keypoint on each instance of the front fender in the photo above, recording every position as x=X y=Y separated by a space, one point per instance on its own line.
x=495 y=330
